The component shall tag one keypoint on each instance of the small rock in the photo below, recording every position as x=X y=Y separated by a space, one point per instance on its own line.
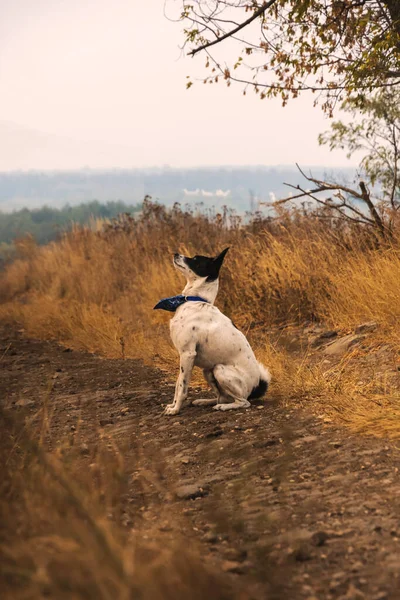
x=231 y=566
x=335 y=444
x=265 y=443
x=380 y=596
x=24 y=402
x=210 y=537
x=214 y=434
x=124 y=410
x=352 y=593
x=357 y=566
x=84 y=449
x=73 y=428
x=104 y=422
x=325 y=335
x=302 y=554
x=343 y=344
x=190 y=492
x=328 y=334
x=235 y=554
x=319 y=538
x=185 y=460
x=366 y=327
x=309 y=439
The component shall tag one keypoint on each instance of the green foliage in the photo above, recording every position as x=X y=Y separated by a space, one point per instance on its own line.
x=335 y=48
x=374 y=130
x=45 y=223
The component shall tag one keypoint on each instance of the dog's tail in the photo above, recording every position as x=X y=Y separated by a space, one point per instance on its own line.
x=260 y=390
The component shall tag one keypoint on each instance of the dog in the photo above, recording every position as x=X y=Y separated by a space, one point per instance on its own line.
x=206 y=338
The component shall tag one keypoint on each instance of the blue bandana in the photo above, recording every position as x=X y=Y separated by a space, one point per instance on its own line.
x=175 y=302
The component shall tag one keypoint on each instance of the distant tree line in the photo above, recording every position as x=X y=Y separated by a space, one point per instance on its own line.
x=46 y=223
x=167 y=185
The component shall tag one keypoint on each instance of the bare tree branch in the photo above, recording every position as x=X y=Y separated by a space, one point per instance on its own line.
x=341 y=205
x=255 y=15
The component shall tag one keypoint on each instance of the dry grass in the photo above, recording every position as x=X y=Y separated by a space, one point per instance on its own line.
x=62 y=533
x=95 y=290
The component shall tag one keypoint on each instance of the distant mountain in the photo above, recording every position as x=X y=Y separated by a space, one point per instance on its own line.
x=239 y=187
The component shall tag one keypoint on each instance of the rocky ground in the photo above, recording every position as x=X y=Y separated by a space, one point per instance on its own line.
x=283 y=504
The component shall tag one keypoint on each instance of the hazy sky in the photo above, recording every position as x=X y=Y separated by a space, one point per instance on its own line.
x=101 y=83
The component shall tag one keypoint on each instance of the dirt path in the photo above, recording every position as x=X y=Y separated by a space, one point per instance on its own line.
x=285 y=505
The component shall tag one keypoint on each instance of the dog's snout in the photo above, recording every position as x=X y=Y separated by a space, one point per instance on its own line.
x=176 y=255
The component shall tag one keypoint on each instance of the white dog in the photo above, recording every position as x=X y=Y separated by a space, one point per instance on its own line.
x=206 y=338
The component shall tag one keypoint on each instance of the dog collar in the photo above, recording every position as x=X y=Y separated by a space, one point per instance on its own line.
x=174 y=302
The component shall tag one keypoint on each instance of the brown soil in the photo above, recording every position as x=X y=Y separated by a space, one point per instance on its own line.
x=282 y=503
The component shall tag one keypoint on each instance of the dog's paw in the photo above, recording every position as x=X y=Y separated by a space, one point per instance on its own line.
x=220 y=407
x=233 y=405
x=171 y=409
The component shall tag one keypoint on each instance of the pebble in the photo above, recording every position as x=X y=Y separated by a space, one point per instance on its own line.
x=84 y=448
x=210 y=537
x=366 y=327
x=335 y=444
x=235 y=554
x=191 y=492
x=319 y=538
x=215 y=433
x=302 y=554
x=231 y=566
x=24 y=402
x=352 y=593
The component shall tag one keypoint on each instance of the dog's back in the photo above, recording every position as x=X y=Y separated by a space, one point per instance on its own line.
x=218 y=342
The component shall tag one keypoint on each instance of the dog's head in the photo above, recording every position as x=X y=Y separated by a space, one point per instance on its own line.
x=200 y=267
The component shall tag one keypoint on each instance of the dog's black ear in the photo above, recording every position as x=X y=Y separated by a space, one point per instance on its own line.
x=218 y=260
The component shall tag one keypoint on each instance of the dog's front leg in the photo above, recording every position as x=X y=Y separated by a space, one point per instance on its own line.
x=182 y=385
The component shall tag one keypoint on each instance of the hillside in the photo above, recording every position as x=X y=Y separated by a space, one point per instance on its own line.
x=269 y=502
x=47 y=223
x=294 y=497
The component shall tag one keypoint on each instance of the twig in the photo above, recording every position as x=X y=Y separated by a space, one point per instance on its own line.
x=340 y=202
x=254 y=16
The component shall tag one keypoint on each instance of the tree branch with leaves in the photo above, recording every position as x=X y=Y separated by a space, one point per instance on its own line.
x=373 y=129
x=281 y=48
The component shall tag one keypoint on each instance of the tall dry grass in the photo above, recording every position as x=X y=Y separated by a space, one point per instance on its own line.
x=61 y=534
x=96 y=287
x=95 y=290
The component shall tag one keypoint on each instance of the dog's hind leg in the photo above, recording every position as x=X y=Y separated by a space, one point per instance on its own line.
x=212 y=382
x=182 y=384
x=232 y=389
